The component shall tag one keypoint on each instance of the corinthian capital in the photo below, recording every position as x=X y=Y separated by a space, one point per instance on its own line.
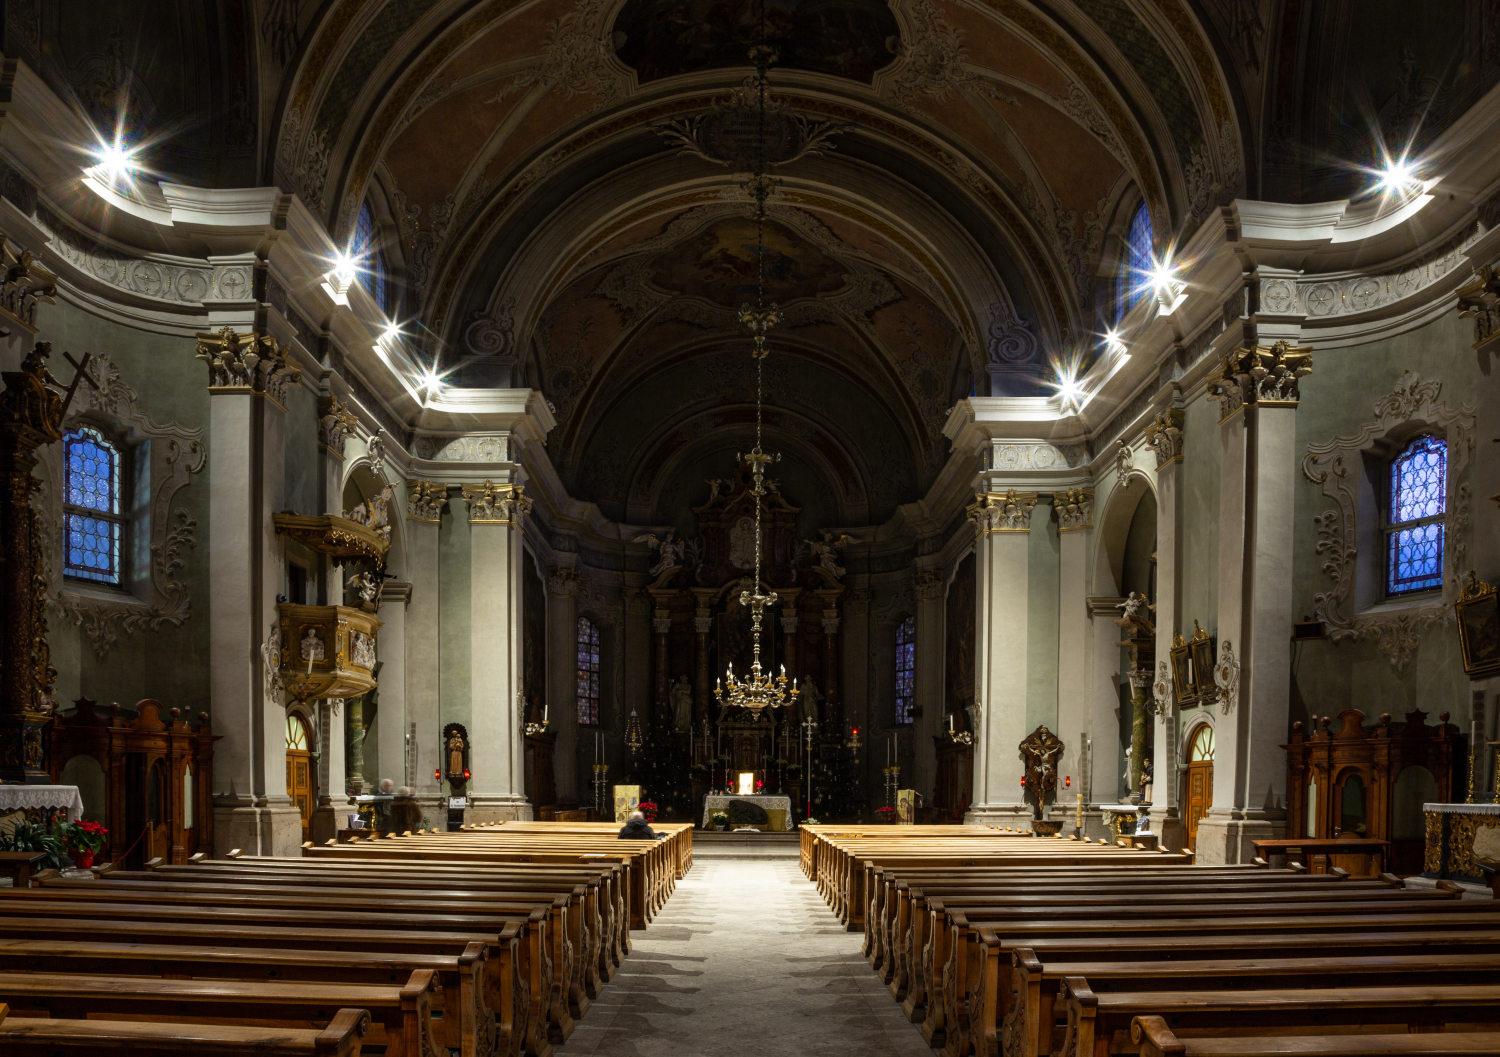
x=1164 y=435
x=497 y=504
x=425 y=501
x=336 y=426
x=1260 y=374
x=249 y=361
x=1008 y=511
x=1075 y=509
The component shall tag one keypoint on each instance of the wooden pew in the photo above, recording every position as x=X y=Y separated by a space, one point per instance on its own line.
x=1155 y=1039
x=400 y=1016
x=1099 y=1021
x=43 y=1037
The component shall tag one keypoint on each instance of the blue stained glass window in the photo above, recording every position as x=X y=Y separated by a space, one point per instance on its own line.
x=92 y=506
x=372 y=270
x=1137 y=263
x=906 y=669
x=1418 y=504
x=588 y=673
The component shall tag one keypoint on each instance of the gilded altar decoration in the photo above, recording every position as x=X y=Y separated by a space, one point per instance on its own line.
x=250 y=361
x=1432 y=827
x=1266 y=376
x=1041 y=751
x=1164 y=436
x=335 y=651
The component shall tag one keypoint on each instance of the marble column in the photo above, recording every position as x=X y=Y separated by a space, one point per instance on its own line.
x=248 y=379
x=1075 y=519
x=426 y=502
x=390 y=650
x=562 y=680
x=931 y=590
x=1257 y=392
x=1164 y=435
x=497 y=751
x=1002 y=522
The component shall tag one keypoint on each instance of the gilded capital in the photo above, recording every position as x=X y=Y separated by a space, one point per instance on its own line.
x=1479 y=300
x=251 y=362
x=497 y=504
x=336 y=425
x=425 y=501
x=563 y=582
x=1262 y=375
x=1074 y=509
x=1008 y=511
x=1164 y=435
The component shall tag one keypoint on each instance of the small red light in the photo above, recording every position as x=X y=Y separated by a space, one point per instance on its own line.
x=437 y=773
x=1067 y=781
x=1023 y=779
x=466 y=772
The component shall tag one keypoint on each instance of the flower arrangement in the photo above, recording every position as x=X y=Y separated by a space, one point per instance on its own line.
x=647 y=808
x=83 y=840
x=760 y=785
x=720 y=819
x=885 y=814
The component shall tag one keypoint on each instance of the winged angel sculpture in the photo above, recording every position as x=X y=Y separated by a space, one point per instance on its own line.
x=670 y=553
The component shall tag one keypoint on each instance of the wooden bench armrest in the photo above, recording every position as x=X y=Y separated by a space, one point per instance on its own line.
x=1154 y=1038
x=344 y=1035
x=1020 y=957
x=1339 y=872
x=1392 y=880
x=1261 y=862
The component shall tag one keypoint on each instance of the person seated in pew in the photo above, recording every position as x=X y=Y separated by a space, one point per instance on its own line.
x=637 y=828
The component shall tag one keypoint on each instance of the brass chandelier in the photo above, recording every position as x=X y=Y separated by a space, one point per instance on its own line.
x=758 y=690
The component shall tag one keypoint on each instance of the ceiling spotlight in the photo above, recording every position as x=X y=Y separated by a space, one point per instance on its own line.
x=343 y=269
x=1069 y=392
x=1114 y=344
x=116 y=164
x=432 y=383
x=1166 y=285
x=390 y=334
x=1398 y=177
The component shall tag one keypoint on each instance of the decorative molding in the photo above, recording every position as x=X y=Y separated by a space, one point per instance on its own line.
x=1164 y=436
x=1336 y=466
x=1008 y=511
x=1007 y=455
x=1227 y=677
x=1479 y=300
x=661 y=625
x=1162 y=700
x=482 y=448
x=563 y=582
x=492 y=504
x=336 y=425
x=176 y=453
x=831 y=625
x=425 y=501
x=249 y=362
x=1074 y=509
x=1124 y=460
x=705 y=625
x=1262 y=375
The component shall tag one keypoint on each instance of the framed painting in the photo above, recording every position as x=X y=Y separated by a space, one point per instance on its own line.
x=1202 y=648
x=1182 y=672
x=1478 y=610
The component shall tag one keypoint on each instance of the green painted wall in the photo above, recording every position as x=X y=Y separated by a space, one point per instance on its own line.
x=455 y=616
x=1041 y=620
x=1337 y=399
x=171 y=386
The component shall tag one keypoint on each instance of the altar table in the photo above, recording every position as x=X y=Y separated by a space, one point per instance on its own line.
x=39 y=804
x=1461 y=838
x=779 y=808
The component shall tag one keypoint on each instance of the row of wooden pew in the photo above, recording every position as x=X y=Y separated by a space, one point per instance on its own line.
x=1002 y=942
x=487 y=942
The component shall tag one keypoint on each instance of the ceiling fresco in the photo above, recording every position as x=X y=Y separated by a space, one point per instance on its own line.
x=842 y=38
x=550 y=181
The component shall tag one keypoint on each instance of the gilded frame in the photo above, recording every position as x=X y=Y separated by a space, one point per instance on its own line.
x=1478 y=611
x=1182 y=672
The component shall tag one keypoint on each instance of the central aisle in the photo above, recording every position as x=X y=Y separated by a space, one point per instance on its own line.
x=745 y=960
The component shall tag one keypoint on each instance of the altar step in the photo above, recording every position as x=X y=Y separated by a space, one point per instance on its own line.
x=711 y=844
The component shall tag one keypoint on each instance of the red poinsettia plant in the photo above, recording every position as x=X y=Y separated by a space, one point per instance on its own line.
x=760 y=785
x=885 y=814
x=83 y=840
x=647 y=808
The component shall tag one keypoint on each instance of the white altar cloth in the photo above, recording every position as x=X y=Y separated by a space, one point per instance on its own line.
x=769 y=803
x=19 y=797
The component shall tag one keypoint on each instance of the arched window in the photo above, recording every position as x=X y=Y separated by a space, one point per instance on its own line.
x=906 y=669
x=93 y=506
x=588 y=673
x=1137 y=259
x=372 y=269
x=1418 y=503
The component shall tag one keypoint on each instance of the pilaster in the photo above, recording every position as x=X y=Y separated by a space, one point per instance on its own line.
x=562 y=679
x=425 y=504
x=395 y=719
x=1164 y=435
x=1075 y=533
x=1257 y=390
x=931 y=591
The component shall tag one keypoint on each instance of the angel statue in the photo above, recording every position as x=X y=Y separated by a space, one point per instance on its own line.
x=670 y=552
x=373 y=513
x=827 y=551
x=1135 y=603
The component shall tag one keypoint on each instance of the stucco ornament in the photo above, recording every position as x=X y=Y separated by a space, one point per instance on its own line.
x=1338 y=465
x=1227 y=677
x=1162 y=700
x=425 y=500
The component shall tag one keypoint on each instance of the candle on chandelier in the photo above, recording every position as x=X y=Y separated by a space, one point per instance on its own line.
x=950 y=722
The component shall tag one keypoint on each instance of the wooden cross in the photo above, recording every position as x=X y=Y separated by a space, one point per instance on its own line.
x=80 y=374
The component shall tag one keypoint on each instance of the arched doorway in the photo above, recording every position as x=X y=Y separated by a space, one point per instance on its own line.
x=1200 y=780
x=299 y=780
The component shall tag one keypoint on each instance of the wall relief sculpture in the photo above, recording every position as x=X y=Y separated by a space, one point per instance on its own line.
x=1336 y=465
x=174 y=454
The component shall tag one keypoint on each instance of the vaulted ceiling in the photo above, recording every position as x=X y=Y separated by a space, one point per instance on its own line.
x=558 y=182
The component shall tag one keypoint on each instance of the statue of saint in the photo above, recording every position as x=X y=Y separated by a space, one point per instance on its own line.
x=311 y=647
x=812 y=700
x=456 y=754
x=681 y=696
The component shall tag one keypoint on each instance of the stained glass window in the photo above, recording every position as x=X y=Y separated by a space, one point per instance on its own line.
x=906 y=669
x=372 y=269
x=94 y=521
x=588 y=673
x=1418 y=503
x=1137 y=259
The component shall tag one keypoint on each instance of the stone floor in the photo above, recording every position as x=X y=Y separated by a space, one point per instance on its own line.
x=745 y=960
